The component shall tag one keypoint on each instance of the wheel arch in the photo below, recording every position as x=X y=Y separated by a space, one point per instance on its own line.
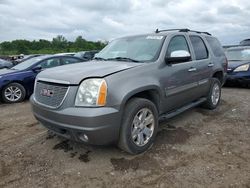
x=15 y=81
x=151 y=93
x=219 y=75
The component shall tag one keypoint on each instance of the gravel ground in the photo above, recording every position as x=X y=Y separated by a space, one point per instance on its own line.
x=198 y=148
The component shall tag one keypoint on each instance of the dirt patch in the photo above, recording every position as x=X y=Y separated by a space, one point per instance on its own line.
x=124 y=164
x=72 y=155
x=173 y=136
x=199 y=148
x=4 y=169
x=64 y=145
x=32 y=124
x=50 y=135
x=84 y=157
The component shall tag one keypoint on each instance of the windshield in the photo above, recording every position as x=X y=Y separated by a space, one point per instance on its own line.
x=238 y=54
x=26 y=64
x=137 y=49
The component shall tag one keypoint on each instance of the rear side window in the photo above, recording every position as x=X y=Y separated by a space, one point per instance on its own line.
x=200 y=49
x=69 y=60
x=216 y=46
x=49 y=63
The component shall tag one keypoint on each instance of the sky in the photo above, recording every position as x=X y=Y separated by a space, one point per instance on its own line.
x=228 y=20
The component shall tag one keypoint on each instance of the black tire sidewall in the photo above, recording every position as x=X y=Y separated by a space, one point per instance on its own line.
x=16 y=85
x=134 y=106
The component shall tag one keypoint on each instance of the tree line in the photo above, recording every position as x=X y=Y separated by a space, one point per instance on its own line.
x=57 y=45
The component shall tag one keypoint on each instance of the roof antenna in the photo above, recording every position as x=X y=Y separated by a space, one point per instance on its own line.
x=157 y=30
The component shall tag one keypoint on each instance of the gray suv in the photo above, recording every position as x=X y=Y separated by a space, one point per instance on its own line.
x=133 y=82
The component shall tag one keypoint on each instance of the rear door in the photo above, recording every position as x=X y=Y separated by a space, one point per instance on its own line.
x=203 y=64
x=179 y=80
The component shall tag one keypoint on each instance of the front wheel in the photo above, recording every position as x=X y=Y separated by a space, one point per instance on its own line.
x=214 y=96
x=139 y=126
x=13 y=93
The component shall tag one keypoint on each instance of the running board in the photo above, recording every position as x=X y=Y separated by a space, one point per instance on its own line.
x=183 y=109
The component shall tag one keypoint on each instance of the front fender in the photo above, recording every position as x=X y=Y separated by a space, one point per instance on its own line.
x=139 y=90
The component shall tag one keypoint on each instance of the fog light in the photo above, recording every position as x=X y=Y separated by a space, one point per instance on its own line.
x=84 y=137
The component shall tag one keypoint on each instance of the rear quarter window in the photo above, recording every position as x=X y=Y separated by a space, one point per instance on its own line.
x=200 y=49
x=215 y=46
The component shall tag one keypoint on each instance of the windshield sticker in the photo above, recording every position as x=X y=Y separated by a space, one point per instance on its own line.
x=154 y=37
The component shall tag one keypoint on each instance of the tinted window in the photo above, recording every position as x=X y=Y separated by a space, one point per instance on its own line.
x=200 y=49
x=177 y=43
x=69 y=60
x=216 y=46
x=49 y=63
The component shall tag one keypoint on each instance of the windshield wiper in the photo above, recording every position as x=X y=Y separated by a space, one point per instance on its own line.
x=100 y=58
x=123 y=59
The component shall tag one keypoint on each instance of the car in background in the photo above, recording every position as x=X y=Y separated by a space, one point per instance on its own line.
x=24 y=58
x=17 y=83
x=88 y=55
x=67 y=53
x=238 y=71
x=5 y=64
x=245 y=42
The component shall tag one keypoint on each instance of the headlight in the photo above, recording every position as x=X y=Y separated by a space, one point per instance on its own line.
x=92 y=92
x=242 y=68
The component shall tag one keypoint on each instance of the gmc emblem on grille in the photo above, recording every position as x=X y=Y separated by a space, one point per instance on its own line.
x=47 y=92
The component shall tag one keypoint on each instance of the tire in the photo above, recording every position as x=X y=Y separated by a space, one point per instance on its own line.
x=213 y=99
x=15 y=90
x=135 y=108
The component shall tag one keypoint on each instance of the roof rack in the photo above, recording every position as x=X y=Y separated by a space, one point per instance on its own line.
x=182 y=30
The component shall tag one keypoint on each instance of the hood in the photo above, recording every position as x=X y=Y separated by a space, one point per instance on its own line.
x=235 y=64
x=75 y=73
x=4 y=72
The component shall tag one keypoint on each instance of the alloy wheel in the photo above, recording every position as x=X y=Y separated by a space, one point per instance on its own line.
x=215 y=94
x=143 y=127
x=13 y=93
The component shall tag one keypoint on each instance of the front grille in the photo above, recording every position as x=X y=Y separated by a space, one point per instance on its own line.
x=50 y=94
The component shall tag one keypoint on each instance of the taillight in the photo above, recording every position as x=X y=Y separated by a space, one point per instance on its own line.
x=226 y=65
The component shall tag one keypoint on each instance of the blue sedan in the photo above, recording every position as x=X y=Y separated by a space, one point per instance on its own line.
x=17 y=83
x=238 y=65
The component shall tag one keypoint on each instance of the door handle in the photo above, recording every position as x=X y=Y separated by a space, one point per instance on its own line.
x=210 y=65
x=192 y=69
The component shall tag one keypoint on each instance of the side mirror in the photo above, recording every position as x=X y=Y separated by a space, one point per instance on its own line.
x=37 y=69
x=178 y=56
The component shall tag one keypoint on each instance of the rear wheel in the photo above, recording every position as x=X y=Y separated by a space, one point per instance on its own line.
x=214 y=95
x=13 y=93
x=139 y=126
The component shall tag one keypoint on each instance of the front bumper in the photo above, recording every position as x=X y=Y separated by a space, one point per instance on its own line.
x=240 y=77
x=1 y=84
x=100 y=125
